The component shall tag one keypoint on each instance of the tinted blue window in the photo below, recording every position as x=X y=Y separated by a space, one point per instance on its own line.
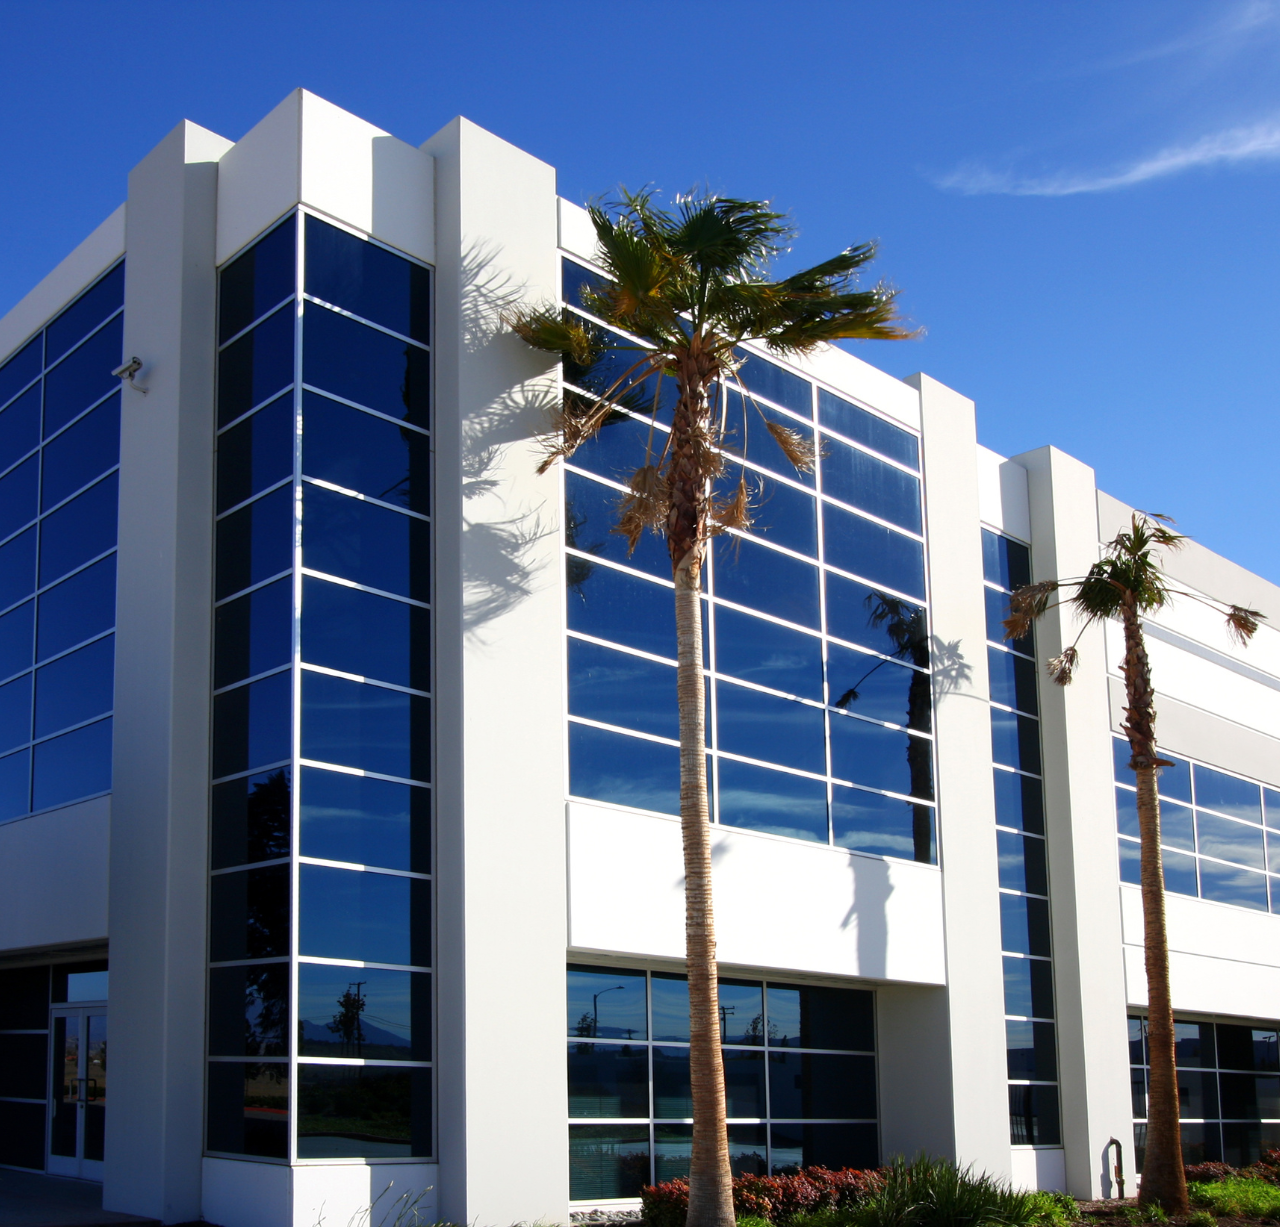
x=1226 y=884
x=253 y=633
x=772 y=801
x=353 y=724
x=367 y=280
x=822 y=1085
x=876 y=553
x=1227 y=794
x=768 y=654
x=1028 y=988
x=573 y=277
x=834 y=1146
x=258 y=279
x=256 y=453
x=364 y=820
x=774 y=730
x=75 y=687
x=1180 y=874
x=1120 y=755
x=15 y=784
x=1021 y=862
x=16 y=629
x=364 y=365
x=1175 y=780
x=872 y=619
x=83 y=376
x=79 y=530
x=1127 y=812
x=1024 y=925
x=365 y=453
x=1271 y=799
x=80 y=454
x=619 y=448
x=997 y=610
x=881 y=689
x=614 y=373
x=249 y=914
x=78 y=608
x=18 y=568
x=878 y=757
x=766 y=379
x=1229 y=841
x=616 y=688
x=1015 y=741
x=885 y=826
x=608 y=1080
x=1005 y=562
x=255 y=542
x=623 y=608
x=77 y=764
x=625 y=770
x=372 y=636
x=1012 y=680
x=85 y=314
x=1019 y=802
x=18 y=496
x=760 y=578
x=1032 y=1050
x=871 y=485
x=747 y=434
x=20 y=427
x=781 y=513
x=22 y=368
x=251 y=819
x=1177 y=826
x=1131 y=865
x=375 y=917
x=15 y=712
x=251 y=725
x=590 y=515
x=363 y=542
x=399 y=1000
x=865 y=428
x=257 y=366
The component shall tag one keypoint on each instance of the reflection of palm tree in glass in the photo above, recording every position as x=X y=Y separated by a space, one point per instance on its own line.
x=346 y=1022
x=268 y=816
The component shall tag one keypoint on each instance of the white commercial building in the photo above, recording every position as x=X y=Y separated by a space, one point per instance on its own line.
x=338 y=779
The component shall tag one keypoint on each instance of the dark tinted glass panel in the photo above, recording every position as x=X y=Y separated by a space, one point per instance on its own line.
x=256 y=366
x=744 y=1082
x=15 y=712
x=832 y=1146
x=780 y=514
x=812 y=1017
x=1242 y=1047
x=997 y=610
x=251 y=725
x=1175 y=781
x=365 y=821
x=1024 y=925
x=624 y=770
x=612 y=605
x=741 y=1011
x=77 y=608
x=1005 y=562
x=1227 y=840
x=85 y=314
x=869 y=484
x=1127 y=812
x=879 y=554
x=75 y=688
x=876 y=620
x=1194 y=1045
x=763 y=726
x=1032 y=1050
x=253 y=633
x=81 y=453
x=619 y=447
x=591 y=512
x=22 y=368
x=867 y=429
x=257 y=280
x=1180 y=873
x=1227 y=794
x=747 y=434
x=768 y=654
x=772 y=801
x=608 y=1080
x=367 y=280
x=764 y=378
x=251 y=818
x=763 y=579
x=249 y=1011
x=20 y=427
x=821 y=1085
x=574 y=278
x=878 y=688
x=18 y=496
x=255 y=453
x=249 y=914
x=79 y=530
x=1227 y=884
x=1249 y=1096
x=255 y=542
x=248 y=1109
x=372 y=636
x=1013 y=680
x=366 y=543
x=672 y=1096
x=879 y=757
x=24 y=1000
x=1028 y=987
x=374 y=917
x=1198 y=1094
x=364 y=365
x=15 y=784
x=1022 y=863
x=364 y=1012
x=608 y=1004
x=1015 y=740
x=354 y=724
x=368 y=454
x=616 y=688
x=884 y=826
x=1019 y=802
x=16 y=629
x=612 y=374
x=608 y=1161
x=82 y=377
x=17 y=568
x=1033 y=1116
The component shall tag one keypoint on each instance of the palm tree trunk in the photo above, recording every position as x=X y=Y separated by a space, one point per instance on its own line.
x=1163 y=1178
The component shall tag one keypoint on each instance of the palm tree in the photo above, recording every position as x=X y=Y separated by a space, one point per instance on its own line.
x=1129 y=583
x=690 y=286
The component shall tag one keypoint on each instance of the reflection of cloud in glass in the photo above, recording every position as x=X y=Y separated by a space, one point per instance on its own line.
x=770 y=801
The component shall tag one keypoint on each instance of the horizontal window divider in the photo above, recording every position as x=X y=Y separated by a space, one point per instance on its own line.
x=240 y=775
x=275 y=860
x=1217 y=813
x=23 y=1031
x=306 y=210
x=253 y=498
x=1008 y=647
x=735 y=385
x=321 y=961
x=1021 y=894
x=639 y=653
x=909 y=533
x=777 y=694
x=280 y=959
x=26 y=387
x=1019 y=831
x=44 y=515
x=363 y=1061
x=231 y=340
x=733 y=459
x=248 y=681
x=1018 y=954
x=1217 y=860
x=57 y=434
x=1036 y=1082
x=1015 y=711
x=760 y=762
x=729 y=1047
x=596 y=477
x=262 y=583
x=773 y=545
x=866 y=447
x=246 y=1060
x=365 y=681
x=1016 y=771
x=884 y=724
x=884 y=792
x=614 y=565
x=278 y=394
x=1028 y=1018
x=635 y=414
x=616 y=728
x=393 y=873
x=84 y=643
x=350 y=583
x=921 y=601
x=79 y=417
x=364 y=498
x=92 y=332
x=360 y=319
x=48 y=809
x=874 y=655
x=355 y=404
x=373 y=775
x=71 y=728
x=639 y=342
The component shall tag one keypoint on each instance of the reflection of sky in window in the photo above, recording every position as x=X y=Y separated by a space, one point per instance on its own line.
x=607 y=1004
x=386 y=1019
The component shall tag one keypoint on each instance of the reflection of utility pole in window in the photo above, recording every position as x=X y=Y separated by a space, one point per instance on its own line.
x=595 y=1008
x=725 y=1011
x=346 y=1022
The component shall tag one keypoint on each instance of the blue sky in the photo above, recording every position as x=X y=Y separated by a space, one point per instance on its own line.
x=1078 y=201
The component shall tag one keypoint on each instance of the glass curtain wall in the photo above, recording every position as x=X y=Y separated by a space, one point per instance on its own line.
x=800 y=1078
x=59 y=456
x=1030 y=1038
x=819 y=709
x=320 y=896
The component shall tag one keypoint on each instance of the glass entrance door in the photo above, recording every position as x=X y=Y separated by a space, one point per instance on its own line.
x=78 y=1091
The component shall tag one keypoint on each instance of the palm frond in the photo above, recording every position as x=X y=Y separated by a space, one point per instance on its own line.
x=734 y=512
x=1062 y=668
x=1242 y=624
x=577 y=420
x=645 y=506
x=795 y=446
x=555 y=332
x=1025 y=606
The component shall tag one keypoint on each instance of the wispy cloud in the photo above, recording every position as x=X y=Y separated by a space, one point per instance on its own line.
x=1259 y=142
x=1231 y=29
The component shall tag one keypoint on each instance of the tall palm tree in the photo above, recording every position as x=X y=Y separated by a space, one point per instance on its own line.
x=1127 y=584
x=690 y=285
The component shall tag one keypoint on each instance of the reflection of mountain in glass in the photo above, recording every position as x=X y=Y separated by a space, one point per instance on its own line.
x=317 y=1040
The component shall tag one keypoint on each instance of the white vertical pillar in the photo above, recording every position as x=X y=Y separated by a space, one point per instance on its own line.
x=1080 y=825
x=159 y=816
x=500 y=870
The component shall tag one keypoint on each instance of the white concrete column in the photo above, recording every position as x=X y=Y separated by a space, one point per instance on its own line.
x=159 y=816
x=1080 y=826
x=503 y=1099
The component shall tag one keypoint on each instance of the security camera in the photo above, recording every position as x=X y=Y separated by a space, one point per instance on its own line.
x=127 y=371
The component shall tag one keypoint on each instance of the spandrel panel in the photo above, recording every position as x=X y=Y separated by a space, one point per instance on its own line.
x=772 y=801
x=249 y=1011
x=1019 y=802
x=883 y=826
x=20 y=427
x=1033 y=1116
x=22 y=368
x=608 y=1080
x=876 y=620
x=257 y=366
x=879 y=757
x=617 y=688
x=15 y=784
x=613 y=605
x=247 y=1106
x=249 y=914
x=365 y=821
x=364 y=1012
x=81 y=453
x=18 y=504
x=78 y=608
x=253 y=633
x=251 y=725
x=353 y=724
x=591 y=514
x=365 y=634
x=768 y=654
x=76 y=687
x=255 y=542
x=15 y=712
x=869 y=484
x=257 y=280
x=879 y=689
x=863 y=427
x=83 y=376
x=256 y=453
x=85 y=314
x=371 y=917
x=17 y=628
x=368 y=454
x=607 y=1003
x=764 y=579
x=821 y=1085
x=878 y=554
x=624 y=770
x=79 y=530
x=772 y=729
x=363 y=542
x=250 y=819
x=18 y=567
x=75 y=765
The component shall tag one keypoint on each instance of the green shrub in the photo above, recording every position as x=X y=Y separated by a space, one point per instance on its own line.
x=1238 y=1197
x=934 y=1193
x=1201 y=1218
x=1054 y=1209
x=751 y=1220
x=1154 y=1213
